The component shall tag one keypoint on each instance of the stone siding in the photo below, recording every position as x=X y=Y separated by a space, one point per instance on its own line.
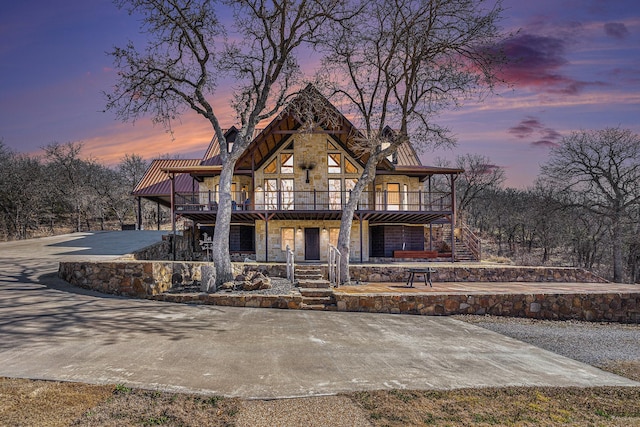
x=276 y=254
x=613 y=307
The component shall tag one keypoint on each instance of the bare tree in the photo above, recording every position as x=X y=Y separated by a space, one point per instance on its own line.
x=480 y=174
x=69 y=177
x=602 y=169
x=178 y=71
x=395 y=66
x=131 y=170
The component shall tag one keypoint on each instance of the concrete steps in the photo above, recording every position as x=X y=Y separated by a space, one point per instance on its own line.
x=308 y=272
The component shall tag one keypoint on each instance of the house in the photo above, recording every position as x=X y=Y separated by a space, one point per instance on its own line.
x=289 y=188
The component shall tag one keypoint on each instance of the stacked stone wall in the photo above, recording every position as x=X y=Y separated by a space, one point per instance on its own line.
x=608 y=307
x=138 y=278
x=151 y=279
x=398 y=273
x=131 y=278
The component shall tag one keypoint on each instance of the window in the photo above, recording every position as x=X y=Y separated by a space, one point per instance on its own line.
x=233 y=192
x=393 y=197
x=405 y=197
x=335 y=193
x=272 y=167
x=379 y=197
x=286 y=163
x=287 y=238
x=286 y=193
x=333 y=236
x=333 y=162
x=271 y=194
x=349 y=167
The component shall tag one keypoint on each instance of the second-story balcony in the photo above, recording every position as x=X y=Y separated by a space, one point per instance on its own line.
x=320 y=201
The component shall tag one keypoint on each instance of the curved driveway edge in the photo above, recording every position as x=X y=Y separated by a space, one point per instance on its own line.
x=49 y=330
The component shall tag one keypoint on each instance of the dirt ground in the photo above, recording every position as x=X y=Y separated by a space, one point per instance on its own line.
x=45 y=403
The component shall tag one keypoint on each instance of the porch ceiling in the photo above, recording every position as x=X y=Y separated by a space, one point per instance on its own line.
x=374 y=217
x=387 y=217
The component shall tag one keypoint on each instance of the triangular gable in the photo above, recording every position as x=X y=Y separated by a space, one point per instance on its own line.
x=287 y=123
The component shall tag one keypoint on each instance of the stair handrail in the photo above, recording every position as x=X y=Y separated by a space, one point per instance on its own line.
x=333 y=263
x=291 y=266
x=471 y=240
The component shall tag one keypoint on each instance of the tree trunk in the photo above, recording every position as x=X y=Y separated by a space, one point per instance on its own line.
x=220 y=242
x=618 y=258
x=344 y=238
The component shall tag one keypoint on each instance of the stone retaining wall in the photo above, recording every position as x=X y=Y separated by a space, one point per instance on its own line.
x=614 y=307
x=139 y=278
x=620 y=307
x=479 y=273
x=150 y=279
x=131 y=278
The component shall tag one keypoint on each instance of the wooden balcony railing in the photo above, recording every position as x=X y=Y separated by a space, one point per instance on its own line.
x=411 y=201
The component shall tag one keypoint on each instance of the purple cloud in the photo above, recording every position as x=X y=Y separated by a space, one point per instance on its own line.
x=550 y=138
x=526 y=127
x=535 y=61
x=487 y=168
x=533 y=127
x=617 y=30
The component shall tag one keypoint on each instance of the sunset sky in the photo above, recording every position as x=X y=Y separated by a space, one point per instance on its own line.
x=577 y=67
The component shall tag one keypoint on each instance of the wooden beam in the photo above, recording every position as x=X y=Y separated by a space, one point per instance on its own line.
x=321 y=131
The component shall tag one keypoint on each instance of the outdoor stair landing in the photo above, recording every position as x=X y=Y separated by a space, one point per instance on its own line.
x=315 y=290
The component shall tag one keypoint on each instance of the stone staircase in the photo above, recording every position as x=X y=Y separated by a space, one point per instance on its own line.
x=315 y=290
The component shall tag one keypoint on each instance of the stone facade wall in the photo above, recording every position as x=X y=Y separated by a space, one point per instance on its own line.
x=276 y=254
x=614 y=307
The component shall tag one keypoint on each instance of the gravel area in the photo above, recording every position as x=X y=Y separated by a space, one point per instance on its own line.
x=279 y=286
x=596 y=344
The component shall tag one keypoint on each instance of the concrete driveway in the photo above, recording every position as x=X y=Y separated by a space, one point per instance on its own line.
x=50 y=330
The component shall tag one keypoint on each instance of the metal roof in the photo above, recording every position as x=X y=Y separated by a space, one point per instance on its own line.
x=156 y=182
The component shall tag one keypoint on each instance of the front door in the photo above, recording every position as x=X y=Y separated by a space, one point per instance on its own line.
x=312 y=244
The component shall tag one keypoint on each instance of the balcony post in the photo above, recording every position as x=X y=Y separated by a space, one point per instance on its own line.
x=385 y=201
x=453 y=218
x=314 y=199
x=173 y=215
x=420 y=201
x=430 y=195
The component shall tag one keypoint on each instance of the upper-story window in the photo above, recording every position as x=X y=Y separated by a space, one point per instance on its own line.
x=334 y=161
x=278 y=181
x=283 y=164
x=272 y=167
x=286 y=163
x=337 y=162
